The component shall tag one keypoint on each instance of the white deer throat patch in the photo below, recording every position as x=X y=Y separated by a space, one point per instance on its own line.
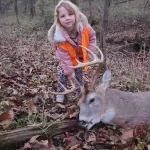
x=108 y=116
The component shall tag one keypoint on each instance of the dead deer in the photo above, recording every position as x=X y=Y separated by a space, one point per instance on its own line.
x=125 y=109
x=103 y=104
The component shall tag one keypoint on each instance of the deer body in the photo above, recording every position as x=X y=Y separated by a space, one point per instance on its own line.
x=108 y=105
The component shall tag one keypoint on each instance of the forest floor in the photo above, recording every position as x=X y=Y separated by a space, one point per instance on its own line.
x=28 y=71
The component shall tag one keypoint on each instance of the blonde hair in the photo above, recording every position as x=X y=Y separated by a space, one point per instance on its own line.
x=71 y=8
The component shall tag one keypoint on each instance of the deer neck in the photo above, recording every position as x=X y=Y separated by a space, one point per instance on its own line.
x=108 y=110
x=108 y=116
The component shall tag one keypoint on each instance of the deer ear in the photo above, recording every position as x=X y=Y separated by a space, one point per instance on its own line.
x=104 y=83
x=106 y=79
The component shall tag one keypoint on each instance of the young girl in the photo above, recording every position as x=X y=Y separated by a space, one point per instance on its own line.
x=70 y=30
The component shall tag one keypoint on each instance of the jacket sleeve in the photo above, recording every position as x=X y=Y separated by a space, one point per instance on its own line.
x=65 y=61
x=92 y=40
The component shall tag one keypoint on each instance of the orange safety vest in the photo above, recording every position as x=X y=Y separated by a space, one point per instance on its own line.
x=85 y=42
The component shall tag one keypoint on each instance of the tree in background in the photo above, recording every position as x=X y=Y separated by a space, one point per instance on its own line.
x=103 y=30
x=25 y=5
x=1 y=6
x=5 y=5
x=75 y=2
x=32 y=8
x=146 y=3
x=16 y=9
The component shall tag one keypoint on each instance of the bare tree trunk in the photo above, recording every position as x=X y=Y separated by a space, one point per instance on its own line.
x=106 y=13
x=12 y=138
x=55 y=2
x=25 y=4
x=76 y=2
x=7 y=4
x=43 y=12
x=16 y=9
x=104 y=28
x=121 y=2
x=1 y=6
x=90 y=6
x=146 y=4
x=34 y=2
x=32 y=8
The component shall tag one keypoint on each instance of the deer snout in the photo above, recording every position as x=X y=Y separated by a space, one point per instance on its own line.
x=83 y=124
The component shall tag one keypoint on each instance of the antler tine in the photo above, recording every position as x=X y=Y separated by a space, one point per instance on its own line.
x=66 y=91
x=95 y=60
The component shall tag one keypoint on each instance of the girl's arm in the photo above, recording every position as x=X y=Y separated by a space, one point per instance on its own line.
x=92 y=40
x=65 y=61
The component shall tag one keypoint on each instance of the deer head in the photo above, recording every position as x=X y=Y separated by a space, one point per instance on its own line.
x=91 y=104
x=108 y=105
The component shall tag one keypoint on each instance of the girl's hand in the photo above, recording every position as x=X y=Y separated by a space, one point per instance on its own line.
x=89 y=57
x=71 y=76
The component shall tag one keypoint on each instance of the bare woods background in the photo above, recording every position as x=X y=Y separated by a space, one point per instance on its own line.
x=42 y=10
x=122 y=28
x=28 y=70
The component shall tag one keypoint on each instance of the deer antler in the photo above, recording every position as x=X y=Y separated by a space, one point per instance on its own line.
x=80 y=64
x=66 y=91
x=95 y=60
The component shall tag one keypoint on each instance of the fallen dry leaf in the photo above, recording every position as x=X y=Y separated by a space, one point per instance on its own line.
x=33 y=143
x=140 y=131
x=15 y=102
x=36 y=146
x=72 y=111
x=6 y=118
x=91 y=137
x=127 y=135
x=32 y=108
x=74 y=147
x=26 y=146
x=50 y=144
x=31 y=92
x=114 y=139
x=61 y=105
x=53 y=116
x=33 y=139
x=72 y=143
x=43 y=145
x=86 y=146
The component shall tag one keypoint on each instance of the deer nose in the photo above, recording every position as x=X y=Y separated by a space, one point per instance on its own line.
x=82 y=124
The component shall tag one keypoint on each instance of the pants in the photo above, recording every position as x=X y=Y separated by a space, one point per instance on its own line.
x=64 y=80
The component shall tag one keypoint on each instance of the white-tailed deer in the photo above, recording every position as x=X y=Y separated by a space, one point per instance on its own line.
x=108 y=105
x=100 y=103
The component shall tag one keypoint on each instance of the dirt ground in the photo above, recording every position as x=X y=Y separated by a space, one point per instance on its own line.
x=28 y=71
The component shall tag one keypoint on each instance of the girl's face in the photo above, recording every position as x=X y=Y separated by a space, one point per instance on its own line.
x=66 y=19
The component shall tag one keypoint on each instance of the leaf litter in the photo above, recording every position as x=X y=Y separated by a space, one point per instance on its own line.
x=28 y=70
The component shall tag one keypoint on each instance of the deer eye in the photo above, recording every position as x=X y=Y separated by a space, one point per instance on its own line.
x=91 y=100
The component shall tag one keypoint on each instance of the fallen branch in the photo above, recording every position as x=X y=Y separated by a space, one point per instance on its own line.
x=17 y=136
x=122 y=2
x=120 y=48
